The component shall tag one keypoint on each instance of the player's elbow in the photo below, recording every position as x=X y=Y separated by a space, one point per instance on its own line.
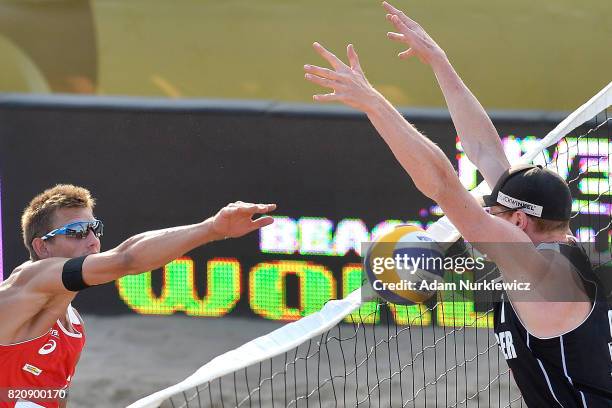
x=134 y=263
x=129 y=264
x=478 y=152
x=443 y=181
x=125 y=258
x=123 y=261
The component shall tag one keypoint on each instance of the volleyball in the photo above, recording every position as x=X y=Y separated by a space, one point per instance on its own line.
x=404 y=265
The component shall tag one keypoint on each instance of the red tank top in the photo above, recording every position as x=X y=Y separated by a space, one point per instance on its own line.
x=47 y=362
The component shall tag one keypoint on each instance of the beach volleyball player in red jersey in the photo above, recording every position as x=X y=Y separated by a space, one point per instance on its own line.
x=41 y=334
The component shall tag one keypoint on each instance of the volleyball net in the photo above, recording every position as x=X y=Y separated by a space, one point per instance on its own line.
x=361 y=351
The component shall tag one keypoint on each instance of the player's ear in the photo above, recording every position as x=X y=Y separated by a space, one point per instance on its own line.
x=40 y=247
x=521 y=220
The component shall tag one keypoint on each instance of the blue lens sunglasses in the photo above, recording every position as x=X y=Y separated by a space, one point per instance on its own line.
x=78 y=230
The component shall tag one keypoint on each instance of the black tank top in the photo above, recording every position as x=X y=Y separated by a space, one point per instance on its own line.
x=570 y=370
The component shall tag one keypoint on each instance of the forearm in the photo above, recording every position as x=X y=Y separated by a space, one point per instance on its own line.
x=153 y=249
x=478 y=136
x=422 y=159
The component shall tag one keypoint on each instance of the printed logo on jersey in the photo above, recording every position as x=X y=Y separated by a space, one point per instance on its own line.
x=32 y=370
x=504 y=340
x=48 y=347
x=54 y=333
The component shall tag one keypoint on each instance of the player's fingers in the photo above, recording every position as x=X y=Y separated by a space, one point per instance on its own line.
x=322 y=72
x=246 y=209
x=330 y=97
x=237 y=204
x=250 y=208
x=396 y=37
x=406 y=54
x=329 y=57
x=265 y=208
x=393 y=19
x=401 y=15
x=390 y=8
x=399 y=24
x=353 y=58
x=262 y=222
x=410 y=23
x=324 y=82
x=410 y=35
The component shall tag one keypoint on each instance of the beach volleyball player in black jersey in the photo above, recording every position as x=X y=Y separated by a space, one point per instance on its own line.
x=557 y=340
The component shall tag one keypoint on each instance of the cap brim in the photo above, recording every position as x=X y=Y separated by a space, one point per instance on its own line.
x=487 y=201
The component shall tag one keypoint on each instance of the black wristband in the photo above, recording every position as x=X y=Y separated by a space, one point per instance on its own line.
x=72 y=274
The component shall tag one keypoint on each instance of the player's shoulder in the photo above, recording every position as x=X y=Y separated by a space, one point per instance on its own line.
x=18 y=278
x=30 y=270
x=34 y=278
x=577 y=253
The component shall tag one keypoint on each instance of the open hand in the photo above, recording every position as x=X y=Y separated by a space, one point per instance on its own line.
x=236 y=219
x=348 y=82
x=413 y=35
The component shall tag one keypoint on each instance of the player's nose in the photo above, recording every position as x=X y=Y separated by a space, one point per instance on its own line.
x=93 y=242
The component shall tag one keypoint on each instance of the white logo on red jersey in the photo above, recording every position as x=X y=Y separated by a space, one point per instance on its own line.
x=54 y=333
x=32 y=369
x=48 y=347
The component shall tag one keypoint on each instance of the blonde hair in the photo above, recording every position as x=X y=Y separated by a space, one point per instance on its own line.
x=37 y=217
x=542 y=225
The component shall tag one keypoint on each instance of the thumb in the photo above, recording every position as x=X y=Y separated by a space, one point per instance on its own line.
x=262 y=222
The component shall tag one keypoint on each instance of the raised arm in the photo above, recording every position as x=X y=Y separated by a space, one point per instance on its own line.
x=150 y=250
x=423 y=160
x=435 y=177
x=478 y=136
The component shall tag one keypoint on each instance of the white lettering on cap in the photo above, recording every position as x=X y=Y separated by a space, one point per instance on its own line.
x=527 y=207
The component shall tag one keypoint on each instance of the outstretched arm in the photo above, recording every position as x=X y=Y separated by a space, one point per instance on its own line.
x=478 y=136
x=152 y=249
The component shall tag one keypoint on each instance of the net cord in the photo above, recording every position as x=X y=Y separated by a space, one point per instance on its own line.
x=295 y=333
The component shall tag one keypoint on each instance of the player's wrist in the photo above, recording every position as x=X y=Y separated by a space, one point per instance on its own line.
x=439 y=61
x=373 y=102
x=211 y=233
